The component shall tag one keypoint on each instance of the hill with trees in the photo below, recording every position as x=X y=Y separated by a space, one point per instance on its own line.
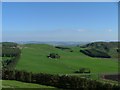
x=102 y=49
x=56 y=66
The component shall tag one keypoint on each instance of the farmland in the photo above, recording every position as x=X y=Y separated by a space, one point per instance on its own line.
x=33 y=63
x=34 y=59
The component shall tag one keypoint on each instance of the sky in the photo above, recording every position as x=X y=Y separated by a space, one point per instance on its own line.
x=60 y=21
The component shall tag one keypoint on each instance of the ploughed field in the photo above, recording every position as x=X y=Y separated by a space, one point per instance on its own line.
x=34 y=58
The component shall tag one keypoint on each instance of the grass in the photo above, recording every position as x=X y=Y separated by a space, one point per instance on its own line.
x=17 y=84
x=33 y=59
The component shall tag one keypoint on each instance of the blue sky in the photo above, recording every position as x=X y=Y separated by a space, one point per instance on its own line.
x=60 y=21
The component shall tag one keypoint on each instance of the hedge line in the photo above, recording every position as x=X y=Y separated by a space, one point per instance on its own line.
x=10 y=63
x=95 y=53
x=64 y=81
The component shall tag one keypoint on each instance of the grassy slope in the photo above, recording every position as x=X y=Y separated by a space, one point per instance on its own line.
x=17 y=84
x=34 y=59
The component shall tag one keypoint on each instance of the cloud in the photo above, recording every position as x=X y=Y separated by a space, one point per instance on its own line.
x=81 y=30
x=109 y=30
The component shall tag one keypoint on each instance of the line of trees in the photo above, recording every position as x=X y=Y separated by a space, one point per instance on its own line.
x=83 y=70
x=95 y=53
x=63 y=81
x=9 y=44
x=64 y=48
x=11 y=53
x=10 y=63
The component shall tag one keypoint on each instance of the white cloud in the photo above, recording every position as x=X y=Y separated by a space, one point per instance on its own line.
x=109 y=30
x=81 y=30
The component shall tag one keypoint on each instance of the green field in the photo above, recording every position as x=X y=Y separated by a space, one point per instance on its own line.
x=34 y=59
x=17 y=84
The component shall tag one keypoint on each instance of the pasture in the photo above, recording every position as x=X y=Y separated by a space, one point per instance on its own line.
x=34 y=59
x=17 y=84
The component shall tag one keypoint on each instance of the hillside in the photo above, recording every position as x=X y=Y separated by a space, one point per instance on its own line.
x=40 y=63
x=34 y=59
x=110 y=49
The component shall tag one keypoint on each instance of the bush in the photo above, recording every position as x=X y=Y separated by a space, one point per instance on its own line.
x=83 y=70
x=71 y=50
x=53 y=55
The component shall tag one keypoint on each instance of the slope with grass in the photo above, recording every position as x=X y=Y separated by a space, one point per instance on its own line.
x=18 y=84
x=34 y=59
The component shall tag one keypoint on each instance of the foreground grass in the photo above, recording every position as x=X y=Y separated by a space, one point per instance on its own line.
x=17 y=84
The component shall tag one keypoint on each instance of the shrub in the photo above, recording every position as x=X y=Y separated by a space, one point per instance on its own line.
x=71 y=50
x=83 y=70
x=53 y=55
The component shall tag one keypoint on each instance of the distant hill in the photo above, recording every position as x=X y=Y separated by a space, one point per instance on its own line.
x=107 y=48
x=54 y=43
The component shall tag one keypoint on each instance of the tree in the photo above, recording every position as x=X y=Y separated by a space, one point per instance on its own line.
x=53 y=55
x=83 y=70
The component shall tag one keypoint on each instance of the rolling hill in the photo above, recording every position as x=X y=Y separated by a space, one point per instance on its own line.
x=61 y=61
x=110 y=49
x=34 y=59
